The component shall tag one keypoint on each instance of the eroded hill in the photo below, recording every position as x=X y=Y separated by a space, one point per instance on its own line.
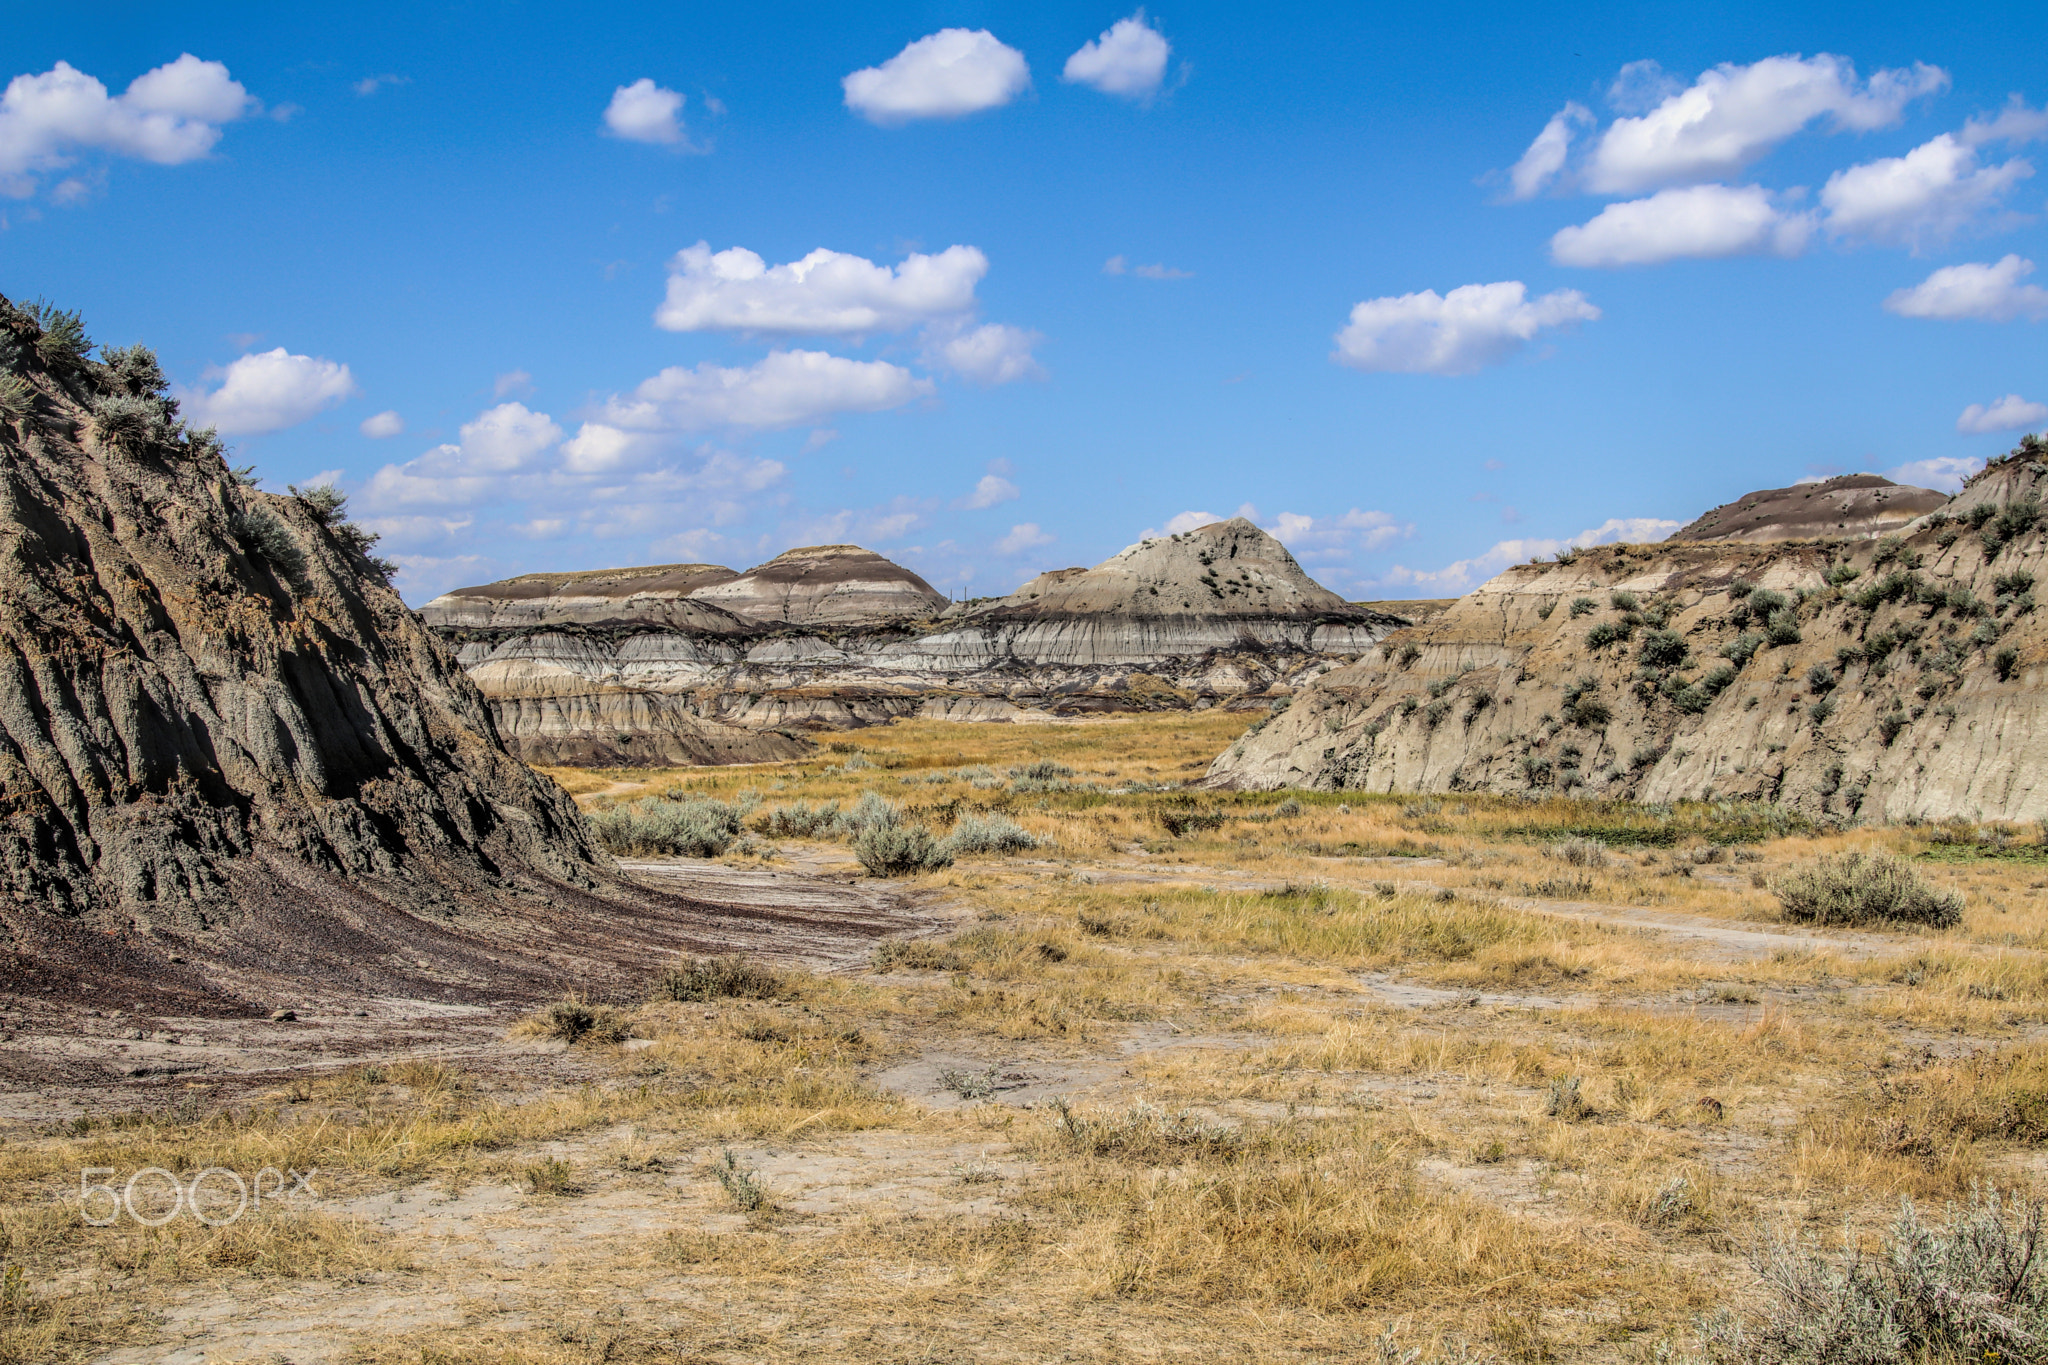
x=233 y=766
x=696 y=664
x=1891 y=677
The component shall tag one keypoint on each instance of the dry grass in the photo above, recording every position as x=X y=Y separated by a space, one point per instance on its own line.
x=1274 y=1154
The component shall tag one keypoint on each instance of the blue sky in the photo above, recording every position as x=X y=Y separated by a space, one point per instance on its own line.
x=1088 y=270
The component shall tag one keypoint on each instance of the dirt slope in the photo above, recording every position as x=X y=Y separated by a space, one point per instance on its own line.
x=232 y=764
x=1893 y=678
x=1840 y=508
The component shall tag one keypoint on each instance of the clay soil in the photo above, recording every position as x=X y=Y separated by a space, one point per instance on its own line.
x=1317 y=1078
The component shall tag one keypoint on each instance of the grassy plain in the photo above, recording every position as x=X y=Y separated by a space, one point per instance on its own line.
x=1321 y=1068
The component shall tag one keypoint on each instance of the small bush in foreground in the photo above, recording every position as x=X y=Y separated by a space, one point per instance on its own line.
x=681 y=829
x=1974 y=1289
x=572 y=1021
x=899 y=850
x=801 y=820
x=1865 y=888
x=728 y=977
x=741 y=1185
x=988 y=834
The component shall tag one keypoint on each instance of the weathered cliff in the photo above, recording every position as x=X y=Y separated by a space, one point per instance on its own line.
x=837 y=637
x=232 y=763
x=1878 y=677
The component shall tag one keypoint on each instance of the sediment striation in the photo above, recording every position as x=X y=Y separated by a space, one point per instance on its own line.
x=1882 y=677
x=835 y=637
x=233 y=766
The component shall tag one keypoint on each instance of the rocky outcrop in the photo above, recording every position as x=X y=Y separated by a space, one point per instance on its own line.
x=233 y=766
x=1883 y=678
x=826 y=586
x=837 y=637
x=658 y=595
x=1841 y=508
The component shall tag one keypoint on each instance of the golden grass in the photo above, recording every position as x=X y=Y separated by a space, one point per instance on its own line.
x=1278 y=1157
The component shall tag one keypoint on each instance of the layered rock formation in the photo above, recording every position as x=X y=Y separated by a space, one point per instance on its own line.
x=1889 y=677
x=1844 y=507
x=835 y=637
x=232 y=763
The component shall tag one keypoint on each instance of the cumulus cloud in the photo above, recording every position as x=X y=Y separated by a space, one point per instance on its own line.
x=496 y=447
x=1546 y=155
x=2010 y=413
x=993 y=353
x=1337 y=537
x=1464 y=574
x=1473 y=326
x=1022 y=537
x=1989 y=293
x=269 y=391
x=1946 y=473
x=1129 y=59
x=2015 y=123
x=512 y=381
x=1187 y=521
x=169 y=115
x=1921 y=199
x=946 y=74
x=383 y=425
x=827 y=293
x=784 y=389
x=1697 y=221
x=991 y=490
x=1733 y=115
x=645 y=112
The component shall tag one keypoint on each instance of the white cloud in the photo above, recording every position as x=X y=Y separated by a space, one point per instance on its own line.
x=1118 y=265
x=498 y=447
x=512 y=381
x=898 y=517
x=1473 y=326
x=827 y=293
x=784 y=389
x=1698 y=221
x=369 y=85
x=1546 y=155
x=943 y=75
x=1921 y=199
x=1464 y=574
x=600 y=449
x=1946 y=473
x=1022 y=537
x=1991 y=293
x=819 y=439
x=645 y=112
x=991 y=490
x=383 y=425
x=268 y=391
x=1128 y=59
x=2015 y=123
x=1640 y=87
x=1180 y=524
x=170 y=115
x=1337 y=537
x=2010 y=413
x=993 y=353
x=1733 y=115
x=507 y=438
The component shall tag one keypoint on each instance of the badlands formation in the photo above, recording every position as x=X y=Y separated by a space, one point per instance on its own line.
x=235 y=767
x=1822 y=651
x=698 y=664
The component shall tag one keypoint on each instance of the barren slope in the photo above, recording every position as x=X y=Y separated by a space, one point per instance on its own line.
x=1882 y=678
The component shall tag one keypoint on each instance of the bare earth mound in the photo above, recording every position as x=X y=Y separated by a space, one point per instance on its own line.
x=234 y=766
x=1833 y=509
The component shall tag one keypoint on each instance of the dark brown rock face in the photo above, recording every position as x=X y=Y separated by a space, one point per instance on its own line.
x=229 y=755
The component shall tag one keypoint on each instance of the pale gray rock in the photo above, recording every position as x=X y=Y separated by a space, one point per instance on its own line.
x=1926 y=703
x=1847 y=506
